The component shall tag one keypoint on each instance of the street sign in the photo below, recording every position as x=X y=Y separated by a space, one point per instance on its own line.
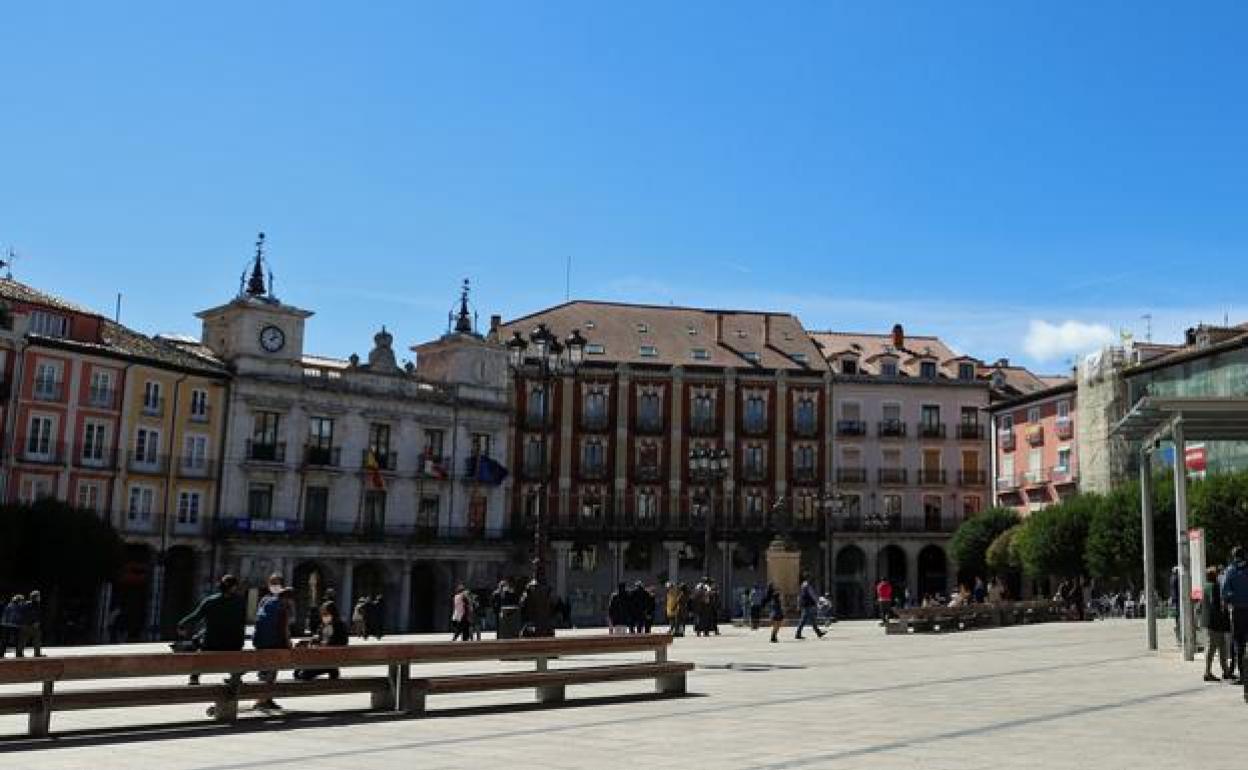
x=1196 y=545
x=1196 y=459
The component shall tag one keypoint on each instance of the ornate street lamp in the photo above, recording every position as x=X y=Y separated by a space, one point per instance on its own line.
x=831 y=504
x=707 y=467
x=542 y=358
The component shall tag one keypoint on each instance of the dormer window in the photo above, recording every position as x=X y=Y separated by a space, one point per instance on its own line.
x=693 y=330
x=798 y=357
x=849 y=366
x=648 y=351
x=740 y=334
x=751 y=356
x=927 y=370
x=589 y=325
x=700 y=354
x=595 y=348
x=888 y=368
x=48 y=324
x=966 y=371
x=643 y=328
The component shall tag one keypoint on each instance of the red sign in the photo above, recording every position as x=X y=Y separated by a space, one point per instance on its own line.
x=1195 y=457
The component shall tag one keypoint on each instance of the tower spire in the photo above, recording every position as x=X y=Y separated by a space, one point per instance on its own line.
x=463 y=321
x=255 y=284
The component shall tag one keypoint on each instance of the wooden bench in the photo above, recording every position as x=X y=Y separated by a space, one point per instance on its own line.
x=914 y=620
x=398 y=690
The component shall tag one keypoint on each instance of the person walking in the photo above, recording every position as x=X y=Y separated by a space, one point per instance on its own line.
x=1235 y=596
x=461 y=615
x=11 y=625
x=272 y=632
x=682 y=610
x=648 y=604
x=714 y=600
x=358 y=616
x=883 y=599
x=808 y=603
x=374 y=618
x=756 y=606
x=775 y=607
x=1216 y=623
x=223 y=617
x=617 y=610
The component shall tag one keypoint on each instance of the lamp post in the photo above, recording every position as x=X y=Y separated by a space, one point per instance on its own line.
x=542 y=358
x=876 y=523
x=707 y=467
x=832 y=504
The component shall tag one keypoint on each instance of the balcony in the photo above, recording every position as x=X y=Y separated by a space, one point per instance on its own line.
x=1007 y=483
x=851 y=475
x=321 y=456
x=376 y=530
x=891 y=429
x=386 y=459
x=147 y=463
x=595 y=422
x=431 y=466
x=1061 y=475
x=805 y=475
x=193 y=467
x=1064 y=428
x=104 y=459
x=1005 y=438
x=101 y=398
x=50 y=453
x=806 y=428
x=648 y=423
x=593 y=471
x=1035 y=435
x=931 y=430
x=754 y=427
x=530 y=470
x=1035 y=478
x=929 y=523
x=648 y=473
x=48 y=390
x=202 y=414
x=970 y=431
x=972 y=478
x=932 y=477
x=851 y=428
x=154 y=407
x=891 y=475
x=537 y=420
x=753 y=474
x=703 y=426
x=266 y=452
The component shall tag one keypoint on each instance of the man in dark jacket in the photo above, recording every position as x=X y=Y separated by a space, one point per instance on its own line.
x=1215 y=621
x=617 y=608
x=223 y=616
x=1235 y=595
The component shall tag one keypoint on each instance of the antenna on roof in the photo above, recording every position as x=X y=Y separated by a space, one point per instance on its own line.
x=10 y=257
x=117 y=312
x=1148 y=327
x=567 y=281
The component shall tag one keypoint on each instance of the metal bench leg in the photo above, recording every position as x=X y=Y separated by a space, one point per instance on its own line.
x=225 y=709
x=41 y=715
x=402 y=689
x=670 y=684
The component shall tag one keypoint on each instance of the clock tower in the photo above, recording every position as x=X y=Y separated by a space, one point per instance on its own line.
x=255 y=332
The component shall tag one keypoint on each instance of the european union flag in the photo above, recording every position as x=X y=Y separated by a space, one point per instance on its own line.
x=490 y=472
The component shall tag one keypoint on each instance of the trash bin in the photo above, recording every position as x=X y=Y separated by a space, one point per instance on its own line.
x=509 y=623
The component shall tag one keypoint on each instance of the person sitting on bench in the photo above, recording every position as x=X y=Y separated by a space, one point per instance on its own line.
x=333 y=633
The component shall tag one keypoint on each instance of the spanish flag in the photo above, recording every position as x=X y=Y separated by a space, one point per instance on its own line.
x=374 y=471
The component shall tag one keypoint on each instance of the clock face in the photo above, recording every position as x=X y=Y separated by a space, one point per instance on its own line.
x=272 y=338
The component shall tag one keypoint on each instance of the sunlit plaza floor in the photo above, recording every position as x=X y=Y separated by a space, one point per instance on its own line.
x=1085 y=696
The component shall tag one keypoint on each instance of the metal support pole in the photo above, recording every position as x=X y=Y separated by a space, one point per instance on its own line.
x=1150 y=568
x=1188 y=627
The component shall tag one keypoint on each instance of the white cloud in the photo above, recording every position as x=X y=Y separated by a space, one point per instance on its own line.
x=1046 y=341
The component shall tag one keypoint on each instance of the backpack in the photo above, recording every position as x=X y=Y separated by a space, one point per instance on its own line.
x=270 y=617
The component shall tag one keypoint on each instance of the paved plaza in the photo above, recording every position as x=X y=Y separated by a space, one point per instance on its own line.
x=1053 y=696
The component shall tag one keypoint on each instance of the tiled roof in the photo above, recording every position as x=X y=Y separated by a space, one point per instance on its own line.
x=15 y=291
x=679 y=336
x=870 y=348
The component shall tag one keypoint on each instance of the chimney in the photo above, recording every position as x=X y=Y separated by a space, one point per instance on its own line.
x=899 y=337
x=1189 y=336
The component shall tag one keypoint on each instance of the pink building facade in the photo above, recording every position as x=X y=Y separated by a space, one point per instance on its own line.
x=1035 y=460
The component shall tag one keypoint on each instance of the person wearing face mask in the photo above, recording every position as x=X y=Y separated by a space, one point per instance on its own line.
x=272 y=630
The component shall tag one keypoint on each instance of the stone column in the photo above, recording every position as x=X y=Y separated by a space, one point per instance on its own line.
x=727 y=503
x=729 y=595
x=346 y=599
x=567 y=414
x=156 y=596
x=562 y=549
x=673 y=548
x=912 y=571
x=623 y=415
x=617 y=561
x=405 y=598
x=676 y=457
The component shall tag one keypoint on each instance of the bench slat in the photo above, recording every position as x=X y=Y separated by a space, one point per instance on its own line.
x=295 y=688
x=521 y=679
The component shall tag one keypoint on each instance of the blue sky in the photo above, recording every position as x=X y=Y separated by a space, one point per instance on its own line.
x=1022 y=178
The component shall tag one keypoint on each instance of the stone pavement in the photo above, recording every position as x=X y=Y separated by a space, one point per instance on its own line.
x=1054 y=696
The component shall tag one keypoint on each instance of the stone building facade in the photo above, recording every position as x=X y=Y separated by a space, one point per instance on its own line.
x=360 y=474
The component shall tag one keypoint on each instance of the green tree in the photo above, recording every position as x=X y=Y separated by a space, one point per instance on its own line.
x=1115 y=539
x=1052 y=541
x=969 y=544
x=1219 y=504
x=1002 y=555
x=65 y=553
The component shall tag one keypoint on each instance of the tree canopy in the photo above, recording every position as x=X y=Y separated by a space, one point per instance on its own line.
x=970 y=543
